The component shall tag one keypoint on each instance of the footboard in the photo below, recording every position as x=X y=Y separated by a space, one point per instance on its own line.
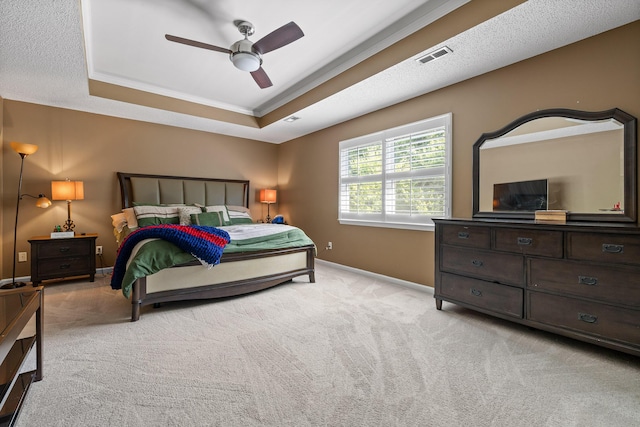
x=237 y=274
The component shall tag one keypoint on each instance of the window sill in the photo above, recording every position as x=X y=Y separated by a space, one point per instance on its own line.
x=402 y=226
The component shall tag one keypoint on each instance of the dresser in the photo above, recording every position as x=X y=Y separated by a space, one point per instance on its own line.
x=60 y=258
x=577 y=280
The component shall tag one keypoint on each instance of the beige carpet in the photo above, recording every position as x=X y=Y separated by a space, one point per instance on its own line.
x=349 y=350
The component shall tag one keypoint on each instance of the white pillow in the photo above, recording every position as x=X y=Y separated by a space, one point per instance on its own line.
x=154 y=215
x=130 y=215
x=239 y=214
x=119 y=221
x=237 y=209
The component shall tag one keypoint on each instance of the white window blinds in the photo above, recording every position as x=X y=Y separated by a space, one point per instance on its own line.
x=397 y=177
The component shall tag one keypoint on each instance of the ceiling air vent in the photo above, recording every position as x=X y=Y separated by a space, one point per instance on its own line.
x=439 y=53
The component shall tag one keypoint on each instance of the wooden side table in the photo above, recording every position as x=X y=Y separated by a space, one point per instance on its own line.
x=60 y=258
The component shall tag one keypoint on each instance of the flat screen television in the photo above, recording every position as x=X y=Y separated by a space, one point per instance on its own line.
x=520 y=196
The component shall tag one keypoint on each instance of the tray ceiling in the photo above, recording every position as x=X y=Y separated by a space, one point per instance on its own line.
x=111 y=57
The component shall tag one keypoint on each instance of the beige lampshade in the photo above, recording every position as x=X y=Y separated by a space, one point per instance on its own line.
x=268 y=196
x=67 y=190
x=23 y=149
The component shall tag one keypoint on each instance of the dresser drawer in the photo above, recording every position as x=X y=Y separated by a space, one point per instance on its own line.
x=470 y=236
x=486 y=295
x=64 y=247
x=63 y=267
x=529 y=242
x=604 y=247
x=613 y=284
x=500 y=267
x=596 y=319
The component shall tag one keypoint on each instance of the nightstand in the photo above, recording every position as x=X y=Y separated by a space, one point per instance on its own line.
x=60 y=258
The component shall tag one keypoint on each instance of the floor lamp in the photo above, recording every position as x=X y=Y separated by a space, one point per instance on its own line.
x=23 y=150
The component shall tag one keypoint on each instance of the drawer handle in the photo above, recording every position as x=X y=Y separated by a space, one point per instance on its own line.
x=64 y=249
x=612 y=249
x=65 y=266
x=463 y=235
x=586 y=280
x=589 y=318
x=477 y=263
x=525 y=241
x=476 y=292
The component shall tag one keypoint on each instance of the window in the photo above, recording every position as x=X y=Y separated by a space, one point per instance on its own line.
x=397 y=178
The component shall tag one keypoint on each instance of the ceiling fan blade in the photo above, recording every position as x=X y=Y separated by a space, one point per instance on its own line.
x=276 y=39
x=196 y=44
x=260 y=76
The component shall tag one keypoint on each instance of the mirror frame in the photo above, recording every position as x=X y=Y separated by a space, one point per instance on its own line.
x=630 y=164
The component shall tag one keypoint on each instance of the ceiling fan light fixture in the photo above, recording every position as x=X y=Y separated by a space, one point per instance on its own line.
x=246 y=55
x=245 y=61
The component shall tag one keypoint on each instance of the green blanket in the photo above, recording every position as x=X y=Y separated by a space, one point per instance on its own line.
x=156 y=255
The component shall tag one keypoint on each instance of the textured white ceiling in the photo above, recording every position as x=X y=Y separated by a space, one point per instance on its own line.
x=125 y=43
x=42 y=53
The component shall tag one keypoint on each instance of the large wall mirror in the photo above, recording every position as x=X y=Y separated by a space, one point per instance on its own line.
x=578 y=161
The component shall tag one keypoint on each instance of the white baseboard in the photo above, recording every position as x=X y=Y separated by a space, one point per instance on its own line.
x=105 y=270
x=393 y=280
x=416 y=286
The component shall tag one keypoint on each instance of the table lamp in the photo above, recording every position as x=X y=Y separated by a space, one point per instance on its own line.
x=268 y=196
x=67 y=190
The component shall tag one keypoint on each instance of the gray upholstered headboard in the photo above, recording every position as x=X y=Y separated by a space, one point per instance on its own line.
x=164 y=189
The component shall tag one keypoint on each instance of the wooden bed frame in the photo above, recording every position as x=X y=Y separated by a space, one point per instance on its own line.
x=233 y=276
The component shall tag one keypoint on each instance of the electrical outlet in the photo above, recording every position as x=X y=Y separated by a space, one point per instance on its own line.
x=22 y=257
x=329 y=246
x=98 y=250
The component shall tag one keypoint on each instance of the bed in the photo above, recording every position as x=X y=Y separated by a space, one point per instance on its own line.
x=241 y=268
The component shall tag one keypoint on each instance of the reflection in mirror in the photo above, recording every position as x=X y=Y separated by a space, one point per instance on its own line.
x=580 y=162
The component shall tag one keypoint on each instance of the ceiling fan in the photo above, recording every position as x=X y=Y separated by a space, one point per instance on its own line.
x=247 y=55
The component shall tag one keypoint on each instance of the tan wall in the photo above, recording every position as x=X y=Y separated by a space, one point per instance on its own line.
x=92 y=148
x=594 y=74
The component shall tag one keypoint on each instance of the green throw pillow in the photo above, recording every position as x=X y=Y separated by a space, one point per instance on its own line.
x=211 y=219
x=154 y=215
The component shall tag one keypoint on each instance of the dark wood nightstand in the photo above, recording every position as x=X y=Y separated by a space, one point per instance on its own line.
x=60 y=258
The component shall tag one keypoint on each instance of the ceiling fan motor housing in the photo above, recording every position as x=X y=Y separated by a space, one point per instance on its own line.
x=244 y=57
x=246 y=28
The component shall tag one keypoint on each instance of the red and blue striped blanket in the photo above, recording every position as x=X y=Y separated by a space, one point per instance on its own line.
x=203 y=242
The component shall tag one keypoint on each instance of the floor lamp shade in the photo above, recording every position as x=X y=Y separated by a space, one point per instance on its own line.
x=23 y=149
x=43 y=202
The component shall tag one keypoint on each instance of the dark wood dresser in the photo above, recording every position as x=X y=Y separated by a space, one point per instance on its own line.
x=577 y=280
x=60 y=258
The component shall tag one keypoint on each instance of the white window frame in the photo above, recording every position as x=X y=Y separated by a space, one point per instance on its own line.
x=420 y=222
